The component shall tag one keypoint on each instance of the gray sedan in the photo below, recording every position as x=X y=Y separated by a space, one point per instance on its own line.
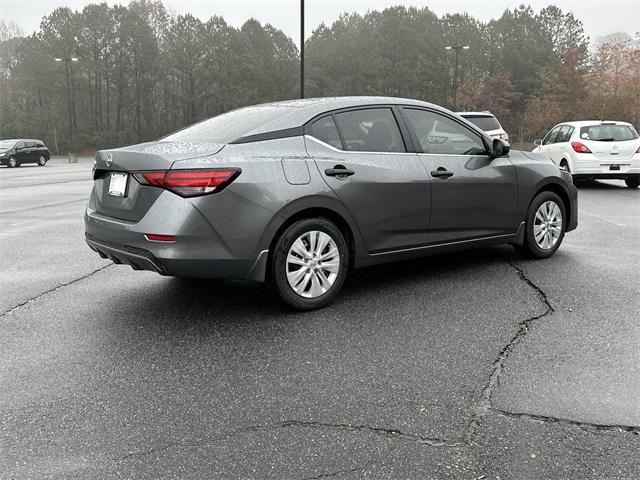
x=296 y=193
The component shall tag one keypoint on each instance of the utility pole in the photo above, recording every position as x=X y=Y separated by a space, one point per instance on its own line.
x=67 y=73
x=301 y=48
x=457 y=49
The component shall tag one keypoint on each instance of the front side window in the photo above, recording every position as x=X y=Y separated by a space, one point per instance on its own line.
x=608 y=133
x=326 y=131
x=438 y=134
x=551 y=136
x=370 y=130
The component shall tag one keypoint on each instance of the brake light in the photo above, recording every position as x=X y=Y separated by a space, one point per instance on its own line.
x=189 y=183
x=579 y=147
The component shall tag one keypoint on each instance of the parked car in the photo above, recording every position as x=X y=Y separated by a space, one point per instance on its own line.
x=14 y=153
x=296 y=193
x=595 y=149
x=488 y=122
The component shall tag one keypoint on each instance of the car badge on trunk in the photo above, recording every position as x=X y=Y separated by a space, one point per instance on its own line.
x=109 y=159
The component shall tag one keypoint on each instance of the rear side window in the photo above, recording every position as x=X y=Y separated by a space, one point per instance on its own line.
x=484 y=122
x=564 y=134
x=326 y=131
x=440 y=135
x=40 y=145
x=608 y=133
x=370 y=130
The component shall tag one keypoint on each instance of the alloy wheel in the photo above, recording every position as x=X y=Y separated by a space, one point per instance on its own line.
x=547 y=225
x=313 y=263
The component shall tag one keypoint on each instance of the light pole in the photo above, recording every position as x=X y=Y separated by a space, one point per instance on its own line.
x=457 y=49
x=67 y=72
x=301 y=48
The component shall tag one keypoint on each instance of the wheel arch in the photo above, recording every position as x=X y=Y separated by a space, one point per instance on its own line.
x=558 y=190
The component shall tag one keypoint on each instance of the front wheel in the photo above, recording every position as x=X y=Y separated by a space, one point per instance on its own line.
x=309 y=264
x=42 y=161
x=13 y=163
x=544 y=226
x=632 y=181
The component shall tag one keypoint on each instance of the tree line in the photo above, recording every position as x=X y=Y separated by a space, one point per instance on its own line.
x=142 y=72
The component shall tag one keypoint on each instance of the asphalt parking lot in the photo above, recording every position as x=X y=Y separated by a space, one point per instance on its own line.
x=476 y=365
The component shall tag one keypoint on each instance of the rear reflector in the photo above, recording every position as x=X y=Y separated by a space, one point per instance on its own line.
x=154 y=237
x=189 y=183
x=579 y=147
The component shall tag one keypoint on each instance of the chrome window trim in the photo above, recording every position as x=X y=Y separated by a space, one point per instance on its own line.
x=331 y=147
x=361 y=152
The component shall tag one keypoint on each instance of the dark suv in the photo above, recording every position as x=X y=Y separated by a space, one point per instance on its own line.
x=14 y=153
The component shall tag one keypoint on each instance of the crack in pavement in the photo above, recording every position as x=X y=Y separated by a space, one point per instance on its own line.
x=54 y=289
x=498 y=365
x=563 y=421
x=389 y=433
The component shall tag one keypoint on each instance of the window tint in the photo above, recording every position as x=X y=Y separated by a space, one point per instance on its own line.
x=326 y=131
x=608 y=133
x=40 y=145
x=484 y=122
x=20 y=145
x=30 y=144
x=370 y=130
x=551 y=136
x=438 y=134
x=564 y=134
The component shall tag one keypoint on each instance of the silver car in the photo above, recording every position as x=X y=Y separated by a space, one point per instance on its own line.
x=296 y=193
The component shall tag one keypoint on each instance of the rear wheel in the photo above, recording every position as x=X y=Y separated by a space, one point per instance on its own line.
x=632 y=181
x=544 y=226
x=12 y=162
x=309 y=264
x=42 y=161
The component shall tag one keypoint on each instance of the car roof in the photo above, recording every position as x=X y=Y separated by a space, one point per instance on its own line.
x=298 y=112
x=584 y=123
x=476 y=114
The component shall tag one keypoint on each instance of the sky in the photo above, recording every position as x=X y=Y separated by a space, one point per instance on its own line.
x=600 y=17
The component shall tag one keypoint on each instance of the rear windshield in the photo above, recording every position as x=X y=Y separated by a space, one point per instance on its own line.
x=228 y=126
x=484 y=122
x=608 y=133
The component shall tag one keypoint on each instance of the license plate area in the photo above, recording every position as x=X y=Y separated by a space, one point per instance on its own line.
x=118 y=182
x=614 y=167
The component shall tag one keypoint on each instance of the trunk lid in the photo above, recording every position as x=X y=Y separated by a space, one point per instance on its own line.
x=611 y=152
x=136 y=199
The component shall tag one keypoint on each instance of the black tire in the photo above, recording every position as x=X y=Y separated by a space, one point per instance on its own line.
x=530 y=247
x=277 y=269
x=12 y=163
x=42 y=161
x=632 y=181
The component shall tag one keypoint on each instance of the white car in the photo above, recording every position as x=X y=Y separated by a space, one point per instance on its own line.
x=595 y=149
x=488 y=122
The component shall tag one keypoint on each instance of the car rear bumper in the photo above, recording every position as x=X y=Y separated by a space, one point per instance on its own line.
x=200 y=250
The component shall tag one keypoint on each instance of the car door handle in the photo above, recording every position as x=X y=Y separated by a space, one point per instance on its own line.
x=339 y=171
x=441 y=173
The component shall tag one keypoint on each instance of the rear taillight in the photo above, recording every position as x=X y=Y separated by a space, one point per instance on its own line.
x=579 y=147
x=189 y=183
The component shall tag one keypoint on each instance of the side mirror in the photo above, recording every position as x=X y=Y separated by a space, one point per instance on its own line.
x=537 y=142
x=500 y=148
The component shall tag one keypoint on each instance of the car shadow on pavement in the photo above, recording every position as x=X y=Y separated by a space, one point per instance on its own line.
x=233 y=301
x=596 y=185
